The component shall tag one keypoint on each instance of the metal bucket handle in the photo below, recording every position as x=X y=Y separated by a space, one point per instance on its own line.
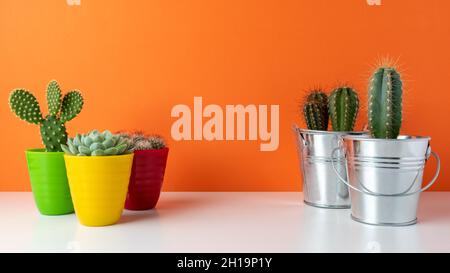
x=341 y=179
x=298 y=131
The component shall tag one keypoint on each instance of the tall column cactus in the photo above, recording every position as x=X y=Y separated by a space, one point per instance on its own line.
x=315 y=111
x=385 y=103
x=343 y=107
x=52 y=127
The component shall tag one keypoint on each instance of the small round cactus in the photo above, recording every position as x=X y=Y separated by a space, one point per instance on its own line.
x=95 y=143
x=315 y=111
x=139 y=141
x=53 y=131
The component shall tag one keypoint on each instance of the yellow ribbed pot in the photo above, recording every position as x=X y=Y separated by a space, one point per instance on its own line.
x=98 y=185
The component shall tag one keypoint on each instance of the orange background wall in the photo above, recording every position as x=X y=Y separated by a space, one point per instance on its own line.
x=135 y=60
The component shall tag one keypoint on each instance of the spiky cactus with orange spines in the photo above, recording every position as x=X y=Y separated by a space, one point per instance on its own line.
x=315 y=111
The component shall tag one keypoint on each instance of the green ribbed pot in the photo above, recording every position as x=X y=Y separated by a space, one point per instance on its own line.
x=49 y=183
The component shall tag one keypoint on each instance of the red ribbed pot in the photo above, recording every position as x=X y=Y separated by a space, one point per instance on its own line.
x=146 y=179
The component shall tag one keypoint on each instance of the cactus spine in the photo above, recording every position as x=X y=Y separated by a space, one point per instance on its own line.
x=52 y=128
x=385 y=103
x=343 y=107
x=315 y=111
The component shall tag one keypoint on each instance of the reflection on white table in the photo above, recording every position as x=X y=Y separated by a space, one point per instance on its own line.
x=223 y=222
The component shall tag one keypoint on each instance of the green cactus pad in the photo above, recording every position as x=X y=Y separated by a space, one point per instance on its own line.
x=71 y=105
x=343 y=107
x=385 y=103
x=53 y=98
x=53 y=133
x=315 y=111
x=25 y=106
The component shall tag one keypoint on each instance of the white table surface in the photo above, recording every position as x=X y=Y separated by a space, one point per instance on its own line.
x=223 y=222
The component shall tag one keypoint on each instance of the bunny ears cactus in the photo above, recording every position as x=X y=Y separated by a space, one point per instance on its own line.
x=53 y=131
x=95 y=143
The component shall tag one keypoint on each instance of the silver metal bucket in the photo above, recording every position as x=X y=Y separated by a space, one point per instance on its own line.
x=385 y=177
x=321 y=187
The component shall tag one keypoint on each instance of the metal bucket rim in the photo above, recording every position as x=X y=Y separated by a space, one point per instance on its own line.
x=400 y=139
x=316 y=132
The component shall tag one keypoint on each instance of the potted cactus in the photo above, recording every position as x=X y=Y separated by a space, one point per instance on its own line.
x=46 y=166
x=315 y=111
x=147 y=173
x=321 y=188
x=385 y=169
x=98 y=168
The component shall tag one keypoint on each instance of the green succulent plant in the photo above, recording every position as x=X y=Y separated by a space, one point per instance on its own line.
x=385 y=103
x=315 y=110
x=53 y=130
x=138 y=141
x=343 y=106
x=95 y=143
